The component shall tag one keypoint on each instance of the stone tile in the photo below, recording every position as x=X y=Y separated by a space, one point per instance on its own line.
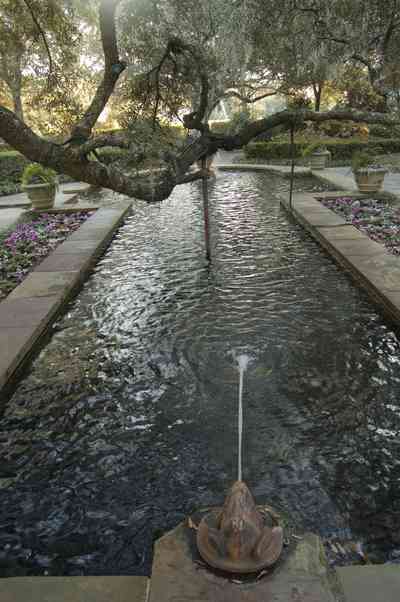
x=78 y=246
x=105 y=216
x=65 y=262
x=393 y=297
x=44 y=284
x=15 y=343
x=339 y=178
x=392 y=303
x=322 y=217
x=73 y=589
x=364 y=247
x=14 y=200
x=176 y=577
x=280 y=169
x=329 y=194
x=90 y=233
x=308 y=205
x=383 y=270
x=342 y=233
x=9 y=217
x=375 y=583
x=28 y=311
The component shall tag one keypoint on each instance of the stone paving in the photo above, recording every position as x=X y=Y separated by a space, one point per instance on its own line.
x=342 y=178
x=8 y=217
x=368 y=262
x=373 y=583
x=13 y=206
x=29 y=309
x=177 y=575
x=283 y=170
x=74 y=589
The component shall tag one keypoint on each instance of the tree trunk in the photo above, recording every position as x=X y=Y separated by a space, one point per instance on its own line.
x=318 y=87
x=17 y=102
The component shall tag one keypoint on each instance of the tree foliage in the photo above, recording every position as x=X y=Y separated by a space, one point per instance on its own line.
x=39 y=40
x=175 y=59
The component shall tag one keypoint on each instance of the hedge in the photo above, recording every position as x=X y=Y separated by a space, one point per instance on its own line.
x=12 y=164
x=339 y=149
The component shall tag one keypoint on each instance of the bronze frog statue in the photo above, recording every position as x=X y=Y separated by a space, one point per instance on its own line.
x=236 y=538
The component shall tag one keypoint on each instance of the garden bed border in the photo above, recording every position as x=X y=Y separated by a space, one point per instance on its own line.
x=30 y=309
x=368 y=262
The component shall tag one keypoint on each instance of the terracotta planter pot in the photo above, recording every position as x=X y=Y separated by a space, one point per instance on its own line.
x=318 y=160
x=209 y=161
x=41 y=196
x=370 y=180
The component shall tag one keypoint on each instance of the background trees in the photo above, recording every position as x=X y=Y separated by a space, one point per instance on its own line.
x=38 y=38
x=172 y=61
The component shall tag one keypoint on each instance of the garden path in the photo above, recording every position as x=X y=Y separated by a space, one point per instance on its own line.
x=12 y=206
x=342 y=177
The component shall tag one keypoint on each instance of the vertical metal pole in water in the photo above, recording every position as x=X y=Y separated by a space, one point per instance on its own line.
x=205 y=208
x=292 y=167
x=240 y=424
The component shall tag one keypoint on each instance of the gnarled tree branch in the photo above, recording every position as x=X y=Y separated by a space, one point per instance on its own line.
x=69 y=160
x=113 y=67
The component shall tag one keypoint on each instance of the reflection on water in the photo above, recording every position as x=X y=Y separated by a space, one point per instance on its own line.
x=128 y=419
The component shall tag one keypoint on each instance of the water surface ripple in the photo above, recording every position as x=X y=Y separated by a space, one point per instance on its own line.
x=127 y=420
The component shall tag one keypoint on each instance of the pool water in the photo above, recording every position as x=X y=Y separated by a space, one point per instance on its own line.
x=127 y=420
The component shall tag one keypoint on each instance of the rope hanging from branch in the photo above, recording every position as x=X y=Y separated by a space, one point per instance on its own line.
x=205 y=207
x=292 y=152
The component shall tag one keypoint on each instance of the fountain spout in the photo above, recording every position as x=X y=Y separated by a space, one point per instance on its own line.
x=236 y=538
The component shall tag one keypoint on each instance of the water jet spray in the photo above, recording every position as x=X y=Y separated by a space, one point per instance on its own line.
x=237 y=538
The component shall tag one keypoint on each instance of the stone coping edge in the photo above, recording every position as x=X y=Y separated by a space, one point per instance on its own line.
x=30 y=309
x=282 y=170
x=374 y=270
x=96 y=588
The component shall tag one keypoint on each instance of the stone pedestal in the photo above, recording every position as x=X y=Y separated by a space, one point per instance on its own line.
x=180 y=576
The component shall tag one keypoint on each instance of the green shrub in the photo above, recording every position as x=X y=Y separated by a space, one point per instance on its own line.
x=12 y=165
x=314 y=147
x=383 y=131
x=361 y=160
x=339 y=149
x=34 y=173
x=341 y=129
x=5 y=147
x=110 y=154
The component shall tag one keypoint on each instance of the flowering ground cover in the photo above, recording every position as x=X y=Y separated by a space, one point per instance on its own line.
x=30 y=242
x=379 y=220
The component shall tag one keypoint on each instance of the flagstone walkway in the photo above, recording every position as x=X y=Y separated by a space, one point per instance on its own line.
x=12 y=206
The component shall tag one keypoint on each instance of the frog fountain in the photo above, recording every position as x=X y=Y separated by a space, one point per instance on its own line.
x=237 y=538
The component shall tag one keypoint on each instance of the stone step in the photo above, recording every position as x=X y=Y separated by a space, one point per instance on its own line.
x=177 y=576
x=74 y=589
x=372 y=583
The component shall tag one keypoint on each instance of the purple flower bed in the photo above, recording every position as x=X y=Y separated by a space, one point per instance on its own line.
x=29 y=243
x=377 y=219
